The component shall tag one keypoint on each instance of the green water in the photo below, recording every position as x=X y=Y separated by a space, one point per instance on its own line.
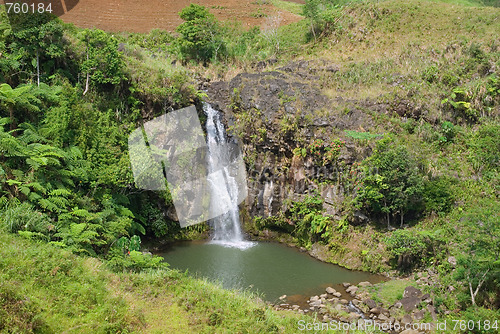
x=271 y=269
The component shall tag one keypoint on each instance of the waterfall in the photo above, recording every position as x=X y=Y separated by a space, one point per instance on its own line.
x=225 y=183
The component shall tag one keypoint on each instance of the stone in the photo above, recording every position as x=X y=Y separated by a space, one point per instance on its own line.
x=316 y=303
x=406 y=319
x=419 y=315
x=359 y=218
x=337 y=294
x=410 y=303
x=451 y=288
x=352 y=290
x=344 y=301
x=282 y=297
x=364 y=284
x=453 y=261
x=330 y=290
x=432 y=311
x=397 y=305
x=354 y=316
x=411 y=291
x=370 y=303
x=314 y=298
x=382 y=317
x=323 y=296
x=346 y=285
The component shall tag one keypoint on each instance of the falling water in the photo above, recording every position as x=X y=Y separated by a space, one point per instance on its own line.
x=224 y=187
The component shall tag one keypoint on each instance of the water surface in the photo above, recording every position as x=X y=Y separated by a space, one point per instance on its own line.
x=269 y=268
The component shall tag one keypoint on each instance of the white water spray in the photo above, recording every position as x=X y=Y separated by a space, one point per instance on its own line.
x=224 y=186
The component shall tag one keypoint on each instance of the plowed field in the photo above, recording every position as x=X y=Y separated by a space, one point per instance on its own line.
x=142 y=16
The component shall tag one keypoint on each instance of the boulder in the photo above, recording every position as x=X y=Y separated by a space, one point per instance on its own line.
x=323 y=296
x=282 y=297
x=354 y=316
x=316 y=303
x=337 y=294
x=370 y=303
x=346 y=285
x=364 y=284
x=330 y=290
x=411 y=291
x=407 y=319
x=397 y=304
x=432 y=311
x=352 y=290
x=382 y=317
x=410 y=303
x=419 y=315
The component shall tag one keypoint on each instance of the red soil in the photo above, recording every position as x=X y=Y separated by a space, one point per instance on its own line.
x=142 y=16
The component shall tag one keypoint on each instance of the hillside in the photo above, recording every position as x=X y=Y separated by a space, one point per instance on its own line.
x=370 y=132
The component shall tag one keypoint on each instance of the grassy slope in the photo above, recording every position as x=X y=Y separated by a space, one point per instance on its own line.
x=386 y=51
x=48 y=290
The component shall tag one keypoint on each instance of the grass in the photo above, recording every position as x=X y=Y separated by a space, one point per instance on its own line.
x=45 y=290
x=292 y=7
x=48 y=290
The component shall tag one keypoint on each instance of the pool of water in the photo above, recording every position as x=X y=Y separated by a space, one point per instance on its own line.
x=270 y=269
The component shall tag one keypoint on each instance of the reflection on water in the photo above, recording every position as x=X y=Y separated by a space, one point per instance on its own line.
x=268 y=268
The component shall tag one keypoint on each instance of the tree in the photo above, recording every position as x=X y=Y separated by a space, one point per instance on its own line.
x=103 y=62
x=201 y=37
x=37 y=38
x=392 y=184
x=13 y=98
x=479 y=263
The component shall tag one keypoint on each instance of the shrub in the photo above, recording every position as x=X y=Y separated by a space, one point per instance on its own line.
x=23 y=217
x=201 y=37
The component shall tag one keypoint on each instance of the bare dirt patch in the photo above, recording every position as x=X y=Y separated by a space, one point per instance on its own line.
x=142 y=16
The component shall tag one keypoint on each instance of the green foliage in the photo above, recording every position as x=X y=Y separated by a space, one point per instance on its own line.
x=325 y=15
x=484 y=145
x=102 y=61
x=448 y=130
x=323 y=153
x=363 y=137
x=22 y=217
x=438 y=195
x=201 y=38
x=460 y=102
x=410 y=249
x=391 y=184
x=478 y=262
x=35 y=43
x=311 y=224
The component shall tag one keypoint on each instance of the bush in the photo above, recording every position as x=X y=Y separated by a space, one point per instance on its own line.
x=201 y=35
x=487 y=318
x=409 y=249
x=438 y=197
x=23 y=217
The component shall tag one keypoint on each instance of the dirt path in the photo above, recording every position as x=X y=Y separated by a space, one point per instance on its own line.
x=142 y=16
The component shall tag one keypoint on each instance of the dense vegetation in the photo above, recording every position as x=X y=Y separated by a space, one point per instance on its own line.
x=70 y=97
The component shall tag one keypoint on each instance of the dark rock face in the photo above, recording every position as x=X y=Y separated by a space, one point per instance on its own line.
x=287 y=109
